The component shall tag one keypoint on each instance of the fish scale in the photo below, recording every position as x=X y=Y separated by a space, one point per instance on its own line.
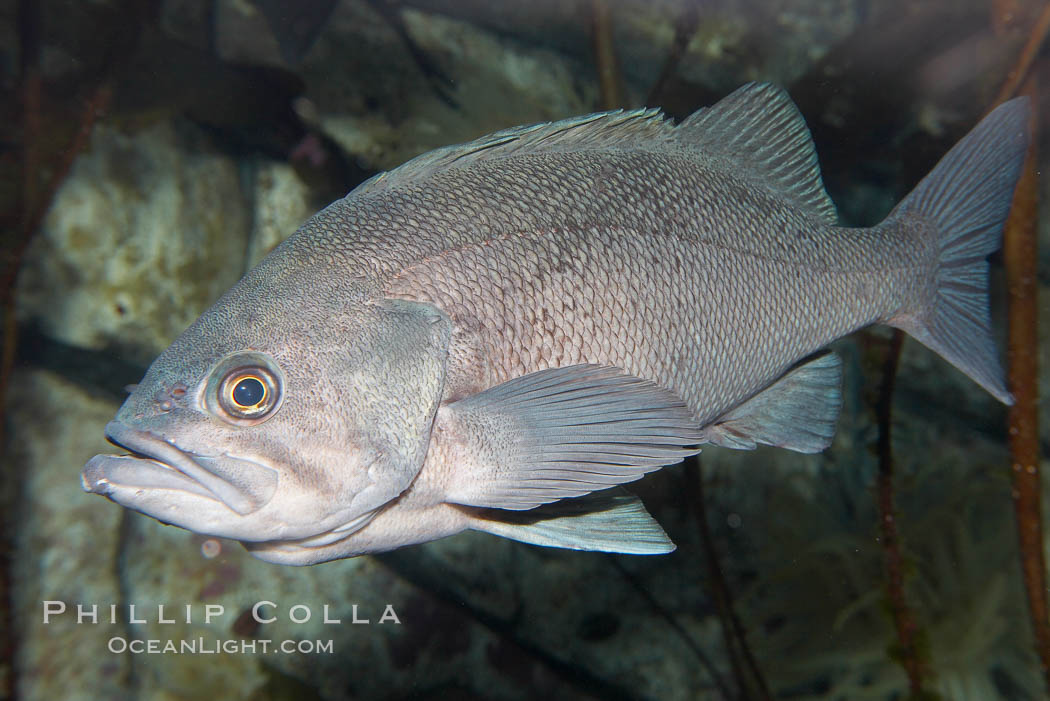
x=711 y=327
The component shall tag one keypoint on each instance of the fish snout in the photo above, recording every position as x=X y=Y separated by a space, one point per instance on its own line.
x=243 y=485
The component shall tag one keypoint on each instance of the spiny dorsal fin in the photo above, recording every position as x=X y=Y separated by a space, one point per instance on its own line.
x=761 y=137
x=756 y=133
x=620 y=129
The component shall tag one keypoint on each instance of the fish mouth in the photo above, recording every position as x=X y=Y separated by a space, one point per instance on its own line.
x=242 y=485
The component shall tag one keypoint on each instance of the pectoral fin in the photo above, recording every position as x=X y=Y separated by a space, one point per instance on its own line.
x=560 y=433
x=797 y=412
x=610 y=521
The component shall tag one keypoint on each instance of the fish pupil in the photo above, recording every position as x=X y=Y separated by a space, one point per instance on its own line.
x=249 y=392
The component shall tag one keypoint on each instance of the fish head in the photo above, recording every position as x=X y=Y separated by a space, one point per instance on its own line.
x=294 y=407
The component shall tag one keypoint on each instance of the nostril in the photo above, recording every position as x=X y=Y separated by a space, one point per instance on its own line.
x=162 y=402
x=165 y=399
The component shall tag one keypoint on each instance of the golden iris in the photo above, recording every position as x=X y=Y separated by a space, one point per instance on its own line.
x=248 y=393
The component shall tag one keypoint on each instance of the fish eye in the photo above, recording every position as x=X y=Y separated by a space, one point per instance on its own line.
x=245 y=388
x=247 y=393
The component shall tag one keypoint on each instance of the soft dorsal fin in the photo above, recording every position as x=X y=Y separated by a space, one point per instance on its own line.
x=758 y=133
x=620 y=129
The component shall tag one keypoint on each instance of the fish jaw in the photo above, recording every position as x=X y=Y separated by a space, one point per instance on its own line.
x=208 y=494
x=410 y=520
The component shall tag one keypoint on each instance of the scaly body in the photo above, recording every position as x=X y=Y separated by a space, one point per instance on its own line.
x=647 y=262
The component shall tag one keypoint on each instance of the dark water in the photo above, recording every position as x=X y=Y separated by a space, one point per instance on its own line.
x=216 y=128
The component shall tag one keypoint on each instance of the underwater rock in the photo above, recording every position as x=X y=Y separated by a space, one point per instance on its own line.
x=495 y=82
x=66 y=548
x=145 y=233
x=778 y=40
x=280 y=203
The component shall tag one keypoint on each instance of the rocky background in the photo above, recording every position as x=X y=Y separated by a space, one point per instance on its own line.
x=226 y=123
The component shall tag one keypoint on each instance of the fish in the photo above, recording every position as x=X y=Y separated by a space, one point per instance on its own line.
x=497 y=336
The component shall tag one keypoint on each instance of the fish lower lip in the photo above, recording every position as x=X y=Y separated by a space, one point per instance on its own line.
x=147 y=447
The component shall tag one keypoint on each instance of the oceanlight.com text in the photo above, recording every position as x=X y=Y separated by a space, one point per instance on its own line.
x=201 y=646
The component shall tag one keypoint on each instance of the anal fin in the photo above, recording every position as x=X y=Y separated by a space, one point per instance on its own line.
x=797 y=412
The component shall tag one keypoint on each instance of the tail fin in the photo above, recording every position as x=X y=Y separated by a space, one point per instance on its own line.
x=965 y=201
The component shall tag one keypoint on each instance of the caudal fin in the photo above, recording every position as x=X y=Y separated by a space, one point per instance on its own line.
x=965 y=201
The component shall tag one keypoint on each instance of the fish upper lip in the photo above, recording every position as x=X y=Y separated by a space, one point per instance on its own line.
x=145 y=444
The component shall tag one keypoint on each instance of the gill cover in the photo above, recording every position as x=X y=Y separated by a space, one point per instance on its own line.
x=399 y=385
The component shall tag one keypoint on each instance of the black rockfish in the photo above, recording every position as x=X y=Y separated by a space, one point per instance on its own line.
x=543 y=313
